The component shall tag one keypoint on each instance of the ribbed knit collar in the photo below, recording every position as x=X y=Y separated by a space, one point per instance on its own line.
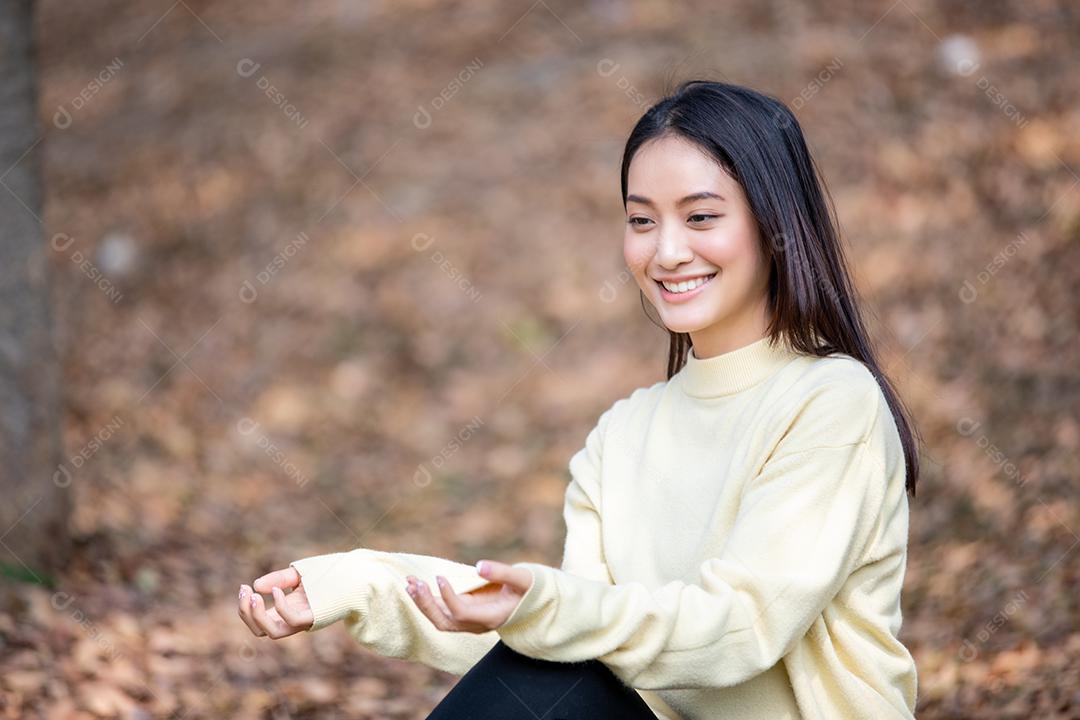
x=735 y=370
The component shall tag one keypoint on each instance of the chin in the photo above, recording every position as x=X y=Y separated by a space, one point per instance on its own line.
x=682 y=324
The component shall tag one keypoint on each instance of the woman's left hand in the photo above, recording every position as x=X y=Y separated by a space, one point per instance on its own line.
x=480 y=610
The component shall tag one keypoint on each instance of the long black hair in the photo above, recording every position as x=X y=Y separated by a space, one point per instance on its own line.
x=757 y=140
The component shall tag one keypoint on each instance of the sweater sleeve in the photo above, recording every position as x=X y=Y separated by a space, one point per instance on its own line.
x=583 y=552
x=366 y=589
x=803 y=522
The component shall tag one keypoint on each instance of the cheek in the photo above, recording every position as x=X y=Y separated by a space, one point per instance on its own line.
x=637 y=252
x=735 y=250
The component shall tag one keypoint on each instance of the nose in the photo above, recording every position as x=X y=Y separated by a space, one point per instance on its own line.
x=672 y=249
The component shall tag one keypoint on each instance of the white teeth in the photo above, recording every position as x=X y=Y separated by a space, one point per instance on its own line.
x=686 y=285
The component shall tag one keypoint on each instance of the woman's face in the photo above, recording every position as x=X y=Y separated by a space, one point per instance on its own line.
x=693 y=246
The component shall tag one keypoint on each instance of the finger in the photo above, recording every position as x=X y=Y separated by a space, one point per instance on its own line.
x=416 y=582
x=245 y=611
x=424 y=600
x=484 y=612
x=272 y=626
x=296 y=617
x=519 y=579
x=458 y=610
x=286 y=579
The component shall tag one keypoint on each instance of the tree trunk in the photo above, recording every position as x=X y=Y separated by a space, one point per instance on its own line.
x=35 y=502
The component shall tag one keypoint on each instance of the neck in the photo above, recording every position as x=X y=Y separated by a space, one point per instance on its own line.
x=731 y=334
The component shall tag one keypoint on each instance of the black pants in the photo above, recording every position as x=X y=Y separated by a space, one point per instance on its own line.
x=506 y=685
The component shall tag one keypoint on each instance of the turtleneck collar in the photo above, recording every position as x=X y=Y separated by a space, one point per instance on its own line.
x=735 y=370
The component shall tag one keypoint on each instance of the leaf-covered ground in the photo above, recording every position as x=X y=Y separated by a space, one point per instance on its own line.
x=361 y=284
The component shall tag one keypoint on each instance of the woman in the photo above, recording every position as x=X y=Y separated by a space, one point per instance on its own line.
x=737 y=534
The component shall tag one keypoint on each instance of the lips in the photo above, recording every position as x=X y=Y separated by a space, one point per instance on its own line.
x=676 y=295
x=684 y=286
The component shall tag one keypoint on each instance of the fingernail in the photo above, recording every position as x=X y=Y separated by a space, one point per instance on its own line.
x=441 y=580
x=253 y=600
x=241 y=592
x=409 y=589
x=481 y=567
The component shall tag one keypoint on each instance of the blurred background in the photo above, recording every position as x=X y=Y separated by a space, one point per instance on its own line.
x=282 y=279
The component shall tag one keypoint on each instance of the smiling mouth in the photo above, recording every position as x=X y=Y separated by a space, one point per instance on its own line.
x=686 y=285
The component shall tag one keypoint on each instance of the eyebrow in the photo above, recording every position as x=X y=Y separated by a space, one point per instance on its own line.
x=703 y=195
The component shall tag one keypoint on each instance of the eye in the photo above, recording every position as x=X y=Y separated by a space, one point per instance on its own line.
x=703 y=217
x=634 y=221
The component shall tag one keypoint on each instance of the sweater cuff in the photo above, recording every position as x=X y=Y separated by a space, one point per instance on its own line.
x=536 y=609
x=335 y=586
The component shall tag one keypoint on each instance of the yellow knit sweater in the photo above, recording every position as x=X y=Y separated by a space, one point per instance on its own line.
x=736 y=546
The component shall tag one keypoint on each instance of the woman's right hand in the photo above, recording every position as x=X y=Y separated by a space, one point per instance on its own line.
x=291 y=613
